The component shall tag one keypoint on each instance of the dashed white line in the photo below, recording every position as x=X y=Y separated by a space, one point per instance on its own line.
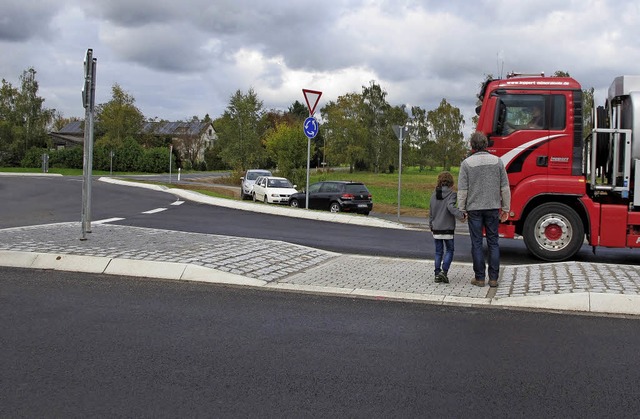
x=153 y=211
x=107 y=220
x=178 y=202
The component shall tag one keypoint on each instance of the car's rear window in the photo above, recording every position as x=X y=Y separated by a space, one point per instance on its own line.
x=354 y=188
x=254 y=175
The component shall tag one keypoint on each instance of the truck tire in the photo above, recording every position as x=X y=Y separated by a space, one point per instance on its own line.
x=553 y=232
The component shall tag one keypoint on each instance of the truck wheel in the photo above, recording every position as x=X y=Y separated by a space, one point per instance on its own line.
x=334 y=207
x=553 y=232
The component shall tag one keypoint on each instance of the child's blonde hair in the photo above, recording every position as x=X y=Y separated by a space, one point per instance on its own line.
x=445 y=179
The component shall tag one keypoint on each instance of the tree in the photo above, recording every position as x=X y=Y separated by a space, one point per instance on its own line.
x=119 y=118
x=24 y=120
x=587 y=111
x=344 y=131
x=287 y=146
x=419 y=138
x=376 y=119
x=446 y=122
x=190 y=144
x=238 y=131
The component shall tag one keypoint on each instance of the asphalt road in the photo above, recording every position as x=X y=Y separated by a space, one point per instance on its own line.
x=78 y=345
x=42 y=200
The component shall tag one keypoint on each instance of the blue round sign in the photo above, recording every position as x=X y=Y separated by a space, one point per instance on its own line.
x=310 y=127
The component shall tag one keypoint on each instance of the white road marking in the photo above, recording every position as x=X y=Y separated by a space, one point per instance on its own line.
x=107 y=220
x=153 y=211
x=178 y=202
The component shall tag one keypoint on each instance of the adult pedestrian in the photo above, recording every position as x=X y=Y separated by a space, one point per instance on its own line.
x=442 y=223
x=483 y=193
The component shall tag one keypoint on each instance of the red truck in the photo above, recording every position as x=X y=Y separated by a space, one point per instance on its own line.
x=566 y=183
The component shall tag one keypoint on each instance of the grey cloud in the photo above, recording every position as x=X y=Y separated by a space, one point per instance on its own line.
x=21 y=21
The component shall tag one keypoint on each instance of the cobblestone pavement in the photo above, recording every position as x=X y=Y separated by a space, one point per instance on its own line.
x=284 y=263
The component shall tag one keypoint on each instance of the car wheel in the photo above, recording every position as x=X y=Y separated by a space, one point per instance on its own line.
x=266 y=201
x=334 y=207
x=254 y=196
x=294 y=203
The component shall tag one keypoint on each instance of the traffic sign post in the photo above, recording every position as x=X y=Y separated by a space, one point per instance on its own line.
x=88 y=102
x=400 y=131
x=310 y=128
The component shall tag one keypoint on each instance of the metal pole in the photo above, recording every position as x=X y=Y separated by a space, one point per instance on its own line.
x=400 y=171
x=88 y=101
x=111 y=163
x=306 y=195
x=170 y=153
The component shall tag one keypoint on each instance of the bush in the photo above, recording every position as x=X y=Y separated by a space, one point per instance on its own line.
x=33 y=157
x=156 y=160
x=67 y=158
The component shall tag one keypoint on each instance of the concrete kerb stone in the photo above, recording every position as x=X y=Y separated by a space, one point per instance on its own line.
x=570 y=302
x=614 y=303
x=29 y=174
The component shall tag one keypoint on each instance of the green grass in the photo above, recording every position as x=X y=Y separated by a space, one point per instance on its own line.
x=416 y=186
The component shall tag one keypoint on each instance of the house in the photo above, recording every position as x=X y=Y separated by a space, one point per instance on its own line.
x=191 y=138
x=70 y=135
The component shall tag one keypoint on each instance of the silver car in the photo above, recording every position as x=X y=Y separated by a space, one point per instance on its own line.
x=248 y=180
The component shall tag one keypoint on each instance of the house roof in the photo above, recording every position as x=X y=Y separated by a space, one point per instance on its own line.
x=174 y=129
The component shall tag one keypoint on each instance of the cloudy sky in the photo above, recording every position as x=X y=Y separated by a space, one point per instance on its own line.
x=185 y=58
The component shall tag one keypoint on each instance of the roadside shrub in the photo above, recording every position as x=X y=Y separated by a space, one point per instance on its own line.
x=67 y=158
x=33 y=157
x=155 y=160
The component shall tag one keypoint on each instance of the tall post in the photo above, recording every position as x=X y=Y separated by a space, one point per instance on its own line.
x=88 y=101
x=170 y=159
x=400 y=170
x=306 y=195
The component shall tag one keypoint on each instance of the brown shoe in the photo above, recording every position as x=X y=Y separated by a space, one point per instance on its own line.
x=477 y=282
x=493 y=283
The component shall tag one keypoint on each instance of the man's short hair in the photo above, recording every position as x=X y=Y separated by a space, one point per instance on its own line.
x=478 y=141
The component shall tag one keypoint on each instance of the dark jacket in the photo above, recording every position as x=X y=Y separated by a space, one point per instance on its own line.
x=443 y=212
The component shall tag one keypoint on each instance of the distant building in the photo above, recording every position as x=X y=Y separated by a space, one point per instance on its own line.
x=70 y=135
x=188 y=137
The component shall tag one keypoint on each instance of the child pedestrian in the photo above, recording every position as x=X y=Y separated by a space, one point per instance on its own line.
x=442 y=222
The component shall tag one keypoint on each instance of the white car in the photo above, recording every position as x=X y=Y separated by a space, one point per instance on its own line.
x=273 y=190
x=248 y=180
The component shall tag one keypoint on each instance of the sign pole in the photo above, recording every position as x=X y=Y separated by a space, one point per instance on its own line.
x=310 y=128
x=88 y=102
x=306 y=195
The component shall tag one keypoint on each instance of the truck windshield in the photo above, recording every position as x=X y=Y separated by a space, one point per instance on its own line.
x=529 y=112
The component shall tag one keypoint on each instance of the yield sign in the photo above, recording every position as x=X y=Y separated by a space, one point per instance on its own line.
x=312 y=97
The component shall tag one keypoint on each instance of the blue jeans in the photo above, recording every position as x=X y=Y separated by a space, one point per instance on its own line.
x=489 y=219
x=443 y=259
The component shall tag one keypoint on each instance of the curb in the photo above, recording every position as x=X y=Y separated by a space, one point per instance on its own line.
x=577 y=303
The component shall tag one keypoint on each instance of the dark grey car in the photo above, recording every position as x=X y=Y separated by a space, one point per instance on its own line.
x=335 y=196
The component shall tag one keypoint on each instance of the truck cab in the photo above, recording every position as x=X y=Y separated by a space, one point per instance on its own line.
x=565 y=184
